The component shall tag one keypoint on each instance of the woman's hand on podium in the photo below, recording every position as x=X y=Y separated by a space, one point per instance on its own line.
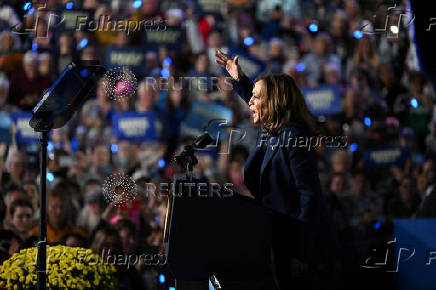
x=230 y=64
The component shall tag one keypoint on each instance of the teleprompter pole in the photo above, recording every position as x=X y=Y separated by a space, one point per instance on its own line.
x=42 y=249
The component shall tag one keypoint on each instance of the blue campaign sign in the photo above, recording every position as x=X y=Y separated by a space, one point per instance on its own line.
x=134 y=126
x=168 y=36
x=24 y=133
x=323 y=100
x=202 y=115
x=415 y=254
x=5 y=127
x=251 y=66
x=132 y=58
x=76 y=20
x=386 y=156
x=205 y=7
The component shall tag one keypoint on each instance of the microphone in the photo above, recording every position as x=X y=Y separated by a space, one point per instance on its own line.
x=186 y=158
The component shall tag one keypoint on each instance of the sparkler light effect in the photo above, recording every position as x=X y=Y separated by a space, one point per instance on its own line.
x=120 y=83
x=119 y=188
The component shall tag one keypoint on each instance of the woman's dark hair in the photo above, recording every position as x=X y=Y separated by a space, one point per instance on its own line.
x=183 y=102
x=126 y=224
x=101 y=236
x=74 y=235
x=20 y=203
x=285 y=104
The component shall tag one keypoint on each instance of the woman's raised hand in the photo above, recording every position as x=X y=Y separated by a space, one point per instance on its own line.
x=230 y=64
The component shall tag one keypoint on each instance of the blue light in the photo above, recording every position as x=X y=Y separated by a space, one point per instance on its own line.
x=50 y=177
x=50 y=146
x=172 y=288
x=313 y=27
x=161 y=278
x=353 y=147
x=165 y=73
x=248 y=41
x=137 y=4
x=300 y=67
x=414 y=103
x=357 y=34
x=27 y=5
x=34 y=46
x=84 y=72
x=74 y=144
x=83 y=43
x=69 y=5
x=377 y=225
x=367 y=121
x=30 y=11
x=161 y=163
x=114 y=148
x=167 y=61
x=156 y=219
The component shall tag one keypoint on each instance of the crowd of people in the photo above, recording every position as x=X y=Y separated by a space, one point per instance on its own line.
x=386 y=99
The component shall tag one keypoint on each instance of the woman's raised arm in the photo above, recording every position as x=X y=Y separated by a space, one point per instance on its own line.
x=241 y=83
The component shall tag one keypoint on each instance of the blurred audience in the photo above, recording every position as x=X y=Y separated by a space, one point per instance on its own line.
x=384 y=101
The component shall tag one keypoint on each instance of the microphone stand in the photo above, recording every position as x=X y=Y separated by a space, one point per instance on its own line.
x=187 y=160
x=54 y=110
x=41 y=269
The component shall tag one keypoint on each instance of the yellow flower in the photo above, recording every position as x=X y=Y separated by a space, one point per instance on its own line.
x=20 y=269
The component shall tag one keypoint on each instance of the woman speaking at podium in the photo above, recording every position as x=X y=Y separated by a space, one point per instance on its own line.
x=284 y=176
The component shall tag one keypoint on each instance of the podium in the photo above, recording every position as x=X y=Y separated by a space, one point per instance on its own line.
x=211 y=231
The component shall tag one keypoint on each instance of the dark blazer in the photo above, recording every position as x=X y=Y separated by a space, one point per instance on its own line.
x=285 y=179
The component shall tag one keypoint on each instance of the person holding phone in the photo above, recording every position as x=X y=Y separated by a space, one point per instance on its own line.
x=283 y=176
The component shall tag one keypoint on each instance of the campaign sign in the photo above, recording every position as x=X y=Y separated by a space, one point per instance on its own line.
x=251 y=66
x=168 y=36
x=207 y=116
x=77 y=19
x=24 y=133
x=132 y=58
x=386 y=157
x=323 y=100
x=133 y=126
x=415 y=254
x=204 y=7
x=5 y=127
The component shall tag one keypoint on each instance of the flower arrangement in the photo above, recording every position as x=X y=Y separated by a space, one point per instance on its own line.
x=67 y=267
